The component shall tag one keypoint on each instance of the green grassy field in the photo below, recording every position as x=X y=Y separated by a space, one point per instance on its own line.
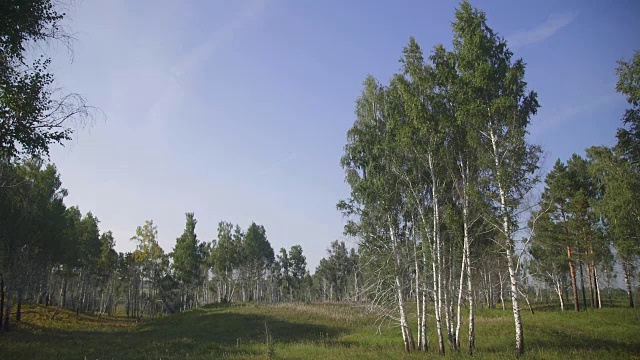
x=297 y=331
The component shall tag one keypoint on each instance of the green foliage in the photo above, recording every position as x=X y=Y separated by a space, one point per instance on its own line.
x=493 y=95
x=25 y=21
x=298 y=264
x=89 y=236
x=108 y=255
x=257 y=250
x=33 y=115
x=147 y=248
x=32 y=215
x=619 y=205
x=225 y=256
x=186 y=255
x=337 y=269
x=629 y=85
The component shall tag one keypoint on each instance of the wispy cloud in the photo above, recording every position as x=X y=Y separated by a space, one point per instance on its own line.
x=174 y=90
x=225 y=33
x=552 y=118
x=276 y=164
x=554 y=23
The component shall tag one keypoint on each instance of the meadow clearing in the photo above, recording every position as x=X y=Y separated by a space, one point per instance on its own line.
x=309 y=331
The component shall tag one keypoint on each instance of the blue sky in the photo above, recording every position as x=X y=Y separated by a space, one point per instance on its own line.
x=238 y=110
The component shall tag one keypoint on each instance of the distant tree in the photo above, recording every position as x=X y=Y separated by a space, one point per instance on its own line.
x=148 y=252
x=108 y=256
x=186 y=258
x=337 y=271
x=259 y=256
x=282 y=272
x=297 y=268
x=558 y=193
x=619 y=207
x=89 y=240
x=106 y=267
x=144 y=265
x=549 y=256
x=225 y=258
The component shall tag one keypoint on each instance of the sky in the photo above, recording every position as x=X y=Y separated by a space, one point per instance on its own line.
x=238 y=110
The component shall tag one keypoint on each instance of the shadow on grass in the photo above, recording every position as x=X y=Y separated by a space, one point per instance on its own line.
x=561 y=340
x=214 y=331
x=229 y=327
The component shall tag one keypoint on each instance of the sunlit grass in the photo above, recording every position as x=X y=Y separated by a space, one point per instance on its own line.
x=302 y=331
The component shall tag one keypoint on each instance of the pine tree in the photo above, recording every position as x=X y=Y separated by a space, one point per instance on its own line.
x=186 y=260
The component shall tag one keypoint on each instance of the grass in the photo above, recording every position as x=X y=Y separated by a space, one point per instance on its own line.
x=317 y=331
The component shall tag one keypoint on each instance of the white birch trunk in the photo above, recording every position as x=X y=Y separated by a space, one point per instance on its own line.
x=467 y=262
x=407 y=336
x=437 y=266
x=559 y=292
x=417 y=282
x=425 y=297
x=510 y=254
x=447 y=316
x=459 y=306
x=597 y=280
x=501 y=290
x=406 y=331
x=472 y=331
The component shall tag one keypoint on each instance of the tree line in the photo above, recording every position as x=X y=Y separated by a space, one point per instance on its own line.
x=54 y=255
x=443 y=178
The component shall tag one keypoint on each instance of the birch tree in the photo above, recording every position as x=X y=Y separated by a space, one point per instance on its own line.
x=422 y=127
x=501 y=107
x=375 y=198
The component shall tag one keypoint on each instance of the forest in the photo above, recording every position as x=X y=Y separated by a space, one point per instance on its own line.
x=452 y=215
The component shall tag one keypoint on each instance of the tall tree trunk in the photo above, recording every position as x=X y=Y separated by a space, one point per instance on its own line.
x=559 y=291
x=19 y=301
x=63 y=292
x=572 y=269
x=596 y=280
x=447 y=311
x=459 y=305
x=466 y=256
x=490 y=298
x=128 y=306
x=626 y=269
x=1 y=300
x=472 y=334
x=417 y=293
x=7 y=310
x=574 y=285
x=407 y=335
x=501 y=290
x=510 y=255
x=591 y=289
x=584 y=294
x=47 y=299
x=514 y=300
x=19 y=306
x=437 y=295
x=425 y=297
x=438 y=266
